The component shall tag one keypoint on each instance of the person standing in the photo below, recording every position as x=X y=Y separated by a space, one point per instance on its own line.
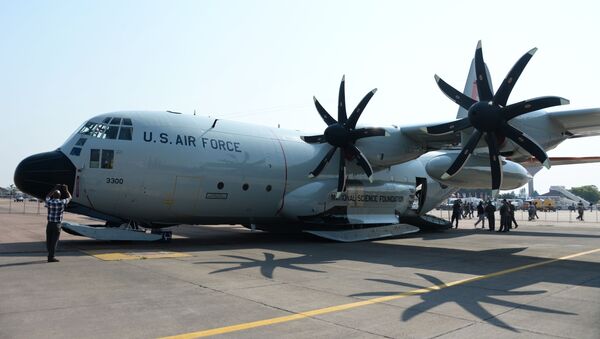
x=456 y=212
x=511 y=221
x=580 y=210
x=480 y=215
x=531 y=211
x=489 y=212
x=56 y=207
x=504 y=216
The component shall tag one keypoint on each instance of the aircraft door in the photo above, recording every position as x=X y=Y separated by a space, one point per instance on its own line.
x=420 y=192
x=186 y=196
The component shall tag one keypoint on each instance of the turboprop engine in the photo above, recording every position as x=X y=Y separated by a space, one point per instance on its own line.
x=476 y=172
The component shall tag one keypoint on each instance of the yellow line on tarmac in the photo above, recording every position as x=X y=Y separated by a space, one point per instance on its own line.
x=343 y=307
x=136 y=256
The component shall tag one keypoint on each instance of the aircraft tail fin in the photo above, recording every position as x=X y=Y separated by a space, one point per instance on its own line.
x=471 y=88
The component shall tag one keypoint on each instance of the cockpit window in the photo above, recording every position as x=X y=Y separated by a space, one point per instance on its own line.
x=110 y=128
x=87 y=128
x=112 y=131
x=99 y=131
x=125 y=133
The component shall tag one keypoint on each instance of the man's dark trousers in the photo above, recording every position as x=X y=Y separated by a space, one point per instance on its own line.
x=52 y=235
x=491 y=221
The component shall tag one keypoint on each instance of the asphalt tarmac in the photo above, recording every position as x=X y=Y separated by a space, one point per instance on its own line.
x=541 y=280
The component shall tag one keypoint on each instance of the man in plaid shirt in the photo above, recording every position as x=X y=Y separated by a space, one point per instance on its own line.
x=56 y=207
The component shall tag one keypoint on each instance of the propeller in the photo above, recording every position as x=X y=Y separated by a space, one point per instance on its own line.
x=342 y=133
x=490 y=115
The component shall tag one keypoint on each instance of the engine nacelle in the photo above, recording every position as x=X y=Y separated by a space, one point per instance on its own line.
x=362 y=203
x=477 y=173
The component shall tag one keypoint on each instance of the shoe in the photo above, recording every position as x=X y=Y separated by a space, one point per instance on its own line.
x=53 y=260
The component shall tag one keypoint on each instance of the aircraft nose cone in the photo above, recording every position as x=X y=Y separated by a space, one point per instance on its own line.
x=38 y=174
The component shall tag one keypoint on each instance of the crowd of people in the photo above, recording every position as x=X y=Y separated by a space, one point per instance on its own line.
x=486 y=211
x=463 y=210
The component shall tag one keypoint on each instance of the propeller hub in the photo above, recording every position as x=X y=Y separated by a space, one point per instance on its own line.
x=337 y=135
x=485 y=116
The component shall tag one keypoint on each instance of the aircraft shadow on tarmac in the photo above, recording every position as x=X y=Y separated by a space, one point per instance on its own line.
x=473 y=303
x=268 y=266
x=314 y=251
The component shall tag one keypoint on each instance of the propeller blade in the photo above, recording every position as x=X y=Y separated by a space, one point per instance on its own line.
x=351 y=123
x=526 y=106
x=322 y=164
x=453 y=126
x=461 y=99
x=342 y=117
x=501 y=97
x=341 y=176
x=362 y=161
x=495 y=163
x=367 y=132
x=323 y=113
x=527 y=143
x=464 y=155
x=483 y=83
x=314 y=139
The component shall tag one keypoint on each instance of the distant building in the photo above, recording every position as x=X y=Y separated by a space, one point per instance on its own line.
x=4 y=192
x=563 y=198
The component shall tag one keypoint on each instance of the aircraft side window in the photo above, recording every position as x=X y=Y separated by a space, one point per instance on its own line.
x=125 y=133
x=94 y=158
x=76 y=151
x=111 y=132
x=81 y=142
x=107 y=158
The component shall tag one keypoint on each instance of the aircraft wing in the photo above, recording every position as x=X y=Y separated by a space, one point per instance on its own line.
x=579 y=123
x=419 y=135
x=557 y=161
x=533 y=166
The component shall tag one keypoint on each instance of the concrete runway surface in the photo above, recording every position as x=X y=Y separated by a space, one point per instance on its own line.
x=538 y=281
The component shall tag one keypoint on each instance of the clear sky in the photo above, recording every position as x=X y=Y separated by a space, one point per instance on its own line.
x=62 y=62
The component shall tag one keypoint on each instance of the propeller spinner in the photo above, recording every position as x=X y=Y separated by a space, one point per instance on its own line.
x=342 y=134
x=490 y=115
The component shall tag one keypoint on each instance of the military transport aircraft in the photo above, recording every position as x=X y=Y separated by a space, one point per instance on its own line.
x=151 y=170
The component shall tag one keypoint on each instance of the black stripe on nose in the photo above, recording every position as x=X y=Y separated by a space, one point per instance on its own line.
x=39 y=173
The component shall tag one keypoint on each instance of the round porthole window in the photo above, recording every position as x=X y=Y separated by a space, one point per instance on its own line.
x=245 y=187
x=220 y=185
x=268 y=188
